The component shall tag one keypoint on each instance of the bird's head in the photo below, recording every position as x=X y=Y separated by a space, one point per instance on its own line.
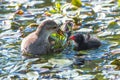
x=49 y=25
x=79 y=38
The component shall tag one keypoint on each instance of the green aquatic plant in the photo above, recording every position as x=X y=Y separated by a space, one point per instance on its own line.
x=113 y=25
x=15 y=25
x=77 y=3
x=119 y=3
x=77 y=20
x=59 y=41
x=56 y=8
x=117 y=63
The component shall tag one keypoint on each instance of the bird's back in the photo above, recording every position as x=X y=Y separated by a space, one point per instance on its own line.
x=93 y=43
x=27 y=41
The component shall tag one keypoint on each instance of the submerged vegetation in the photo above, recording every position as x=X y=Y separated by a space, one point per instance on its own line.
x=97 y=17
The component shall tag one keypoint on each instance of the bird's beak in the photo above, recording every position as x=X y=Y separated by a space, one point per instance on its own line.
x=60 y=32
x=72 y=37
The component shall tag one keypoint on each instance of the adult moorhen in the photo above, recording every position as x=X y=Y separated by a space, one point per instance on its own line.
x=37 y=42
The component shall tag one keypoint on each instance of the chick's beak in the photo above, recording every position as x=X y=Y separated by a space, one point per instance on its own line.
x=72 y=37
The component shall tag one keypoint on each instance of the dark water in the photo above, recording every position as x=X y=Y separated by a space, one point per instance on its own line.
x=60 y=65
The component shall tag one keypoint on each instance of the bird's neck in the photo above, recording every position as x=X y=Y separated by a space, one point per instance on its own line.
x=42 y=34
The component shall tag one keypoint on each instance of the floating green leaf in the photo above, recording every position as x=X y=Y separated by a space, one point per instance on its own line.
x=58 y=6
x=53 y=11
x=77 y=3
x=59 y=41
x=119 y=3
x=42 y=65
x=60 y=62
x=68 y=74
x=15 y=25
x=56 y=9
x=117 y=63
x=113 y=25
